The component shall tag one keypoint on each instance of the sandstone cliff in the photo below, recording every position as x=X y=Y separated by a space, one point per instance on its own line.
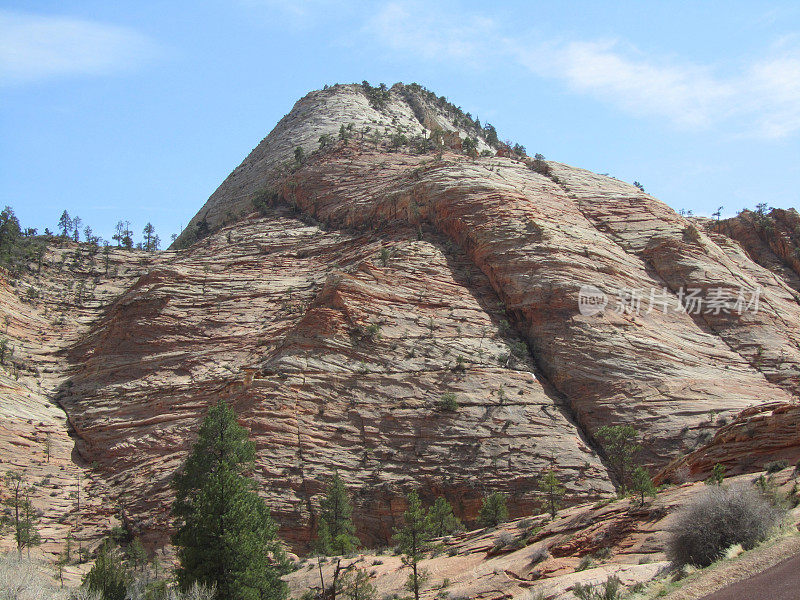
x=379 y=275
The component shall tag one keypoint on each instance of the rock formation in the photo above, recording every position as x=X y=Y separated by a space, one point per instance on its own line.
x=335 y=295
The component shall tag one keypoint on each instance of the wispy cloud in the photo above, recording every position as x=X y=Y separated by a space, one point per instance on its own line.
x=685 y=94
x=762 y=99
x=38 y=47
x=408 y=26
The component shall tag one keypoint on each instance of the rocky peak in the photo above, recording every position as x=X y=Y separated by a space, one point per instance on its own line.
x=372 y=113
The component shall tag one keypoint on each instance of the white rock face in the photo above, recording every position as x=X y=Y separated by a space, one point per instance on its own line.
x=318 y=113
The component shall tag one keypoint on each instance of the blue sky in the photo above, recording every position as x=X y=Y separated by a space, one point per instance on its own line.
x=138 y=110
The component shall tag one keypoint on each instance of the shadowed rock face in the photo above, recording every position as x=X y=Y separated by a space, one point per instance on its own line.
x=381 y=279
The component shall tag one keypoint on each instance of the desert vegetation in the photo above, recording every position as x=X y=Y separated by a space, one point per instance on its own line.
x=716 y=519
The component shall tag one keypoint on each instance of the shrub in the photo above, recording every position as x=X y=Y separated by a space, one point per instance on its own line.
x=447 y=402
x=368 y=333
x=24 y=579
x=397 y=140
x=539 y=554
x=717 y=475
x=504 y=541
x=385 y=255
x=717 y=518
x=264 y=199
x=539 y=165
x=610 y=590
x=493 y=510
x=775 y=466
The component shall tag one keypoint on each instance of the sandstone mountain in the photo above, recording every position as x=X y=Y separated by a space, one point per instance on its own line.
x=341 y=297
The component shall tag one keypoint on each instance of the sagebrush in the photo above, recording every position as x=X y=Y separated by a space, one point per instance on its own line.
x=716 y=519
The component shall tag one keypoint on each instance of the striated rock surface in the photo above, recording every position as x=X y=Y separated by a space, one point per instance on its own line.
x=347 y=342
x=539 y=241
x=42 y=315
x=770 y=238
x=764 y=435
x=380 y=275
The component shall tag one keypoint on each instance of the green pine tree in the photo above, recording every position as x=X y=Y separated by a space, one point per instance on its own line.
x=356 y=585
x=109 y=578
x=225 y=536
x=23 y=517
x=553 y=491
x=335 y=535
x=493 y=510
x=441 y=519
x=136 y=554
x=65 y=224
x=642 y=484
x=413 y=541
x=619 y=444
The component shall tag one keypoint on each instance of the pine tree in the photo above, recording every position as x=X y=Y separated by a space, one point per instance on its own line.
x=642 y=484
x=151 y=240
x=355 y=585
x=441 y=519
x=10 y=233
x=127 y=236
x=493 y=510
x=136 y=554
x=470 y=147
x=413 y=541
x=553 y=491
x=619 y=444
x=65 y=224
x=64 y=558
x=108 y=576
x=336 y=529
x=225 y=536
x=23 y=517
x=76 y=229
x=119 y=233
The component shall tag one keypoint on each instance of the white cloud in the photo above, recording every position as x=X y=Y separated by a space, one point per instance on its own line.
x=762 y=100
x=38 y=47
x=772 y=94
x=685 y=94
